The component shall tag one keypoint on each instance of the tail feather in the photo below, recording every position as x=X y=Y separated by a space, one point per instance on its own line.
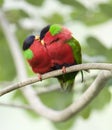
x=67 y=85
x=67 y=81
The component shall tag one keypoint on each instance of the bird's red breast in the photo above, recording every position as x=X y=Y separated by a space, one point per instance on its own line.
x=60 y=53
x=41 y=62
x=58 y=50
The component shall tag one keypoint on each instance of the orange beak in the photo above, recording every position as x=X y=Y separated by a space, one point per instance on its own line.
x=37 y=37
x=42 y=42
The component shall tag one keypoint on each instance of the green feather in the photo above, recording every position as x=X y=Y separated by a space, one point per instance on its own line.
x=76 y=49
x=67 y=80
x=28 y=54
x=55 y=29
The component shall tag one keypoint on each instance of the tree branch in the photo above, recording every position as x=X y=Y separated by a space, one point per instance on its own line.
x=62 y=115
x=56 y=87
x=29 y=81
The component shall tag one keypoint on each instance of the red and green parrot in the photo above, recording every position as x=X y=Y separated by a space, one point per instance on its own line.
x=36 y=55
x=63 y=49
x=54 y=49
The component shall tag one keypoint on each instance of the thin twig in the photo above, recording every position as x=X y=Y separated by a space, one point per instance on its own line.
x=16 y=106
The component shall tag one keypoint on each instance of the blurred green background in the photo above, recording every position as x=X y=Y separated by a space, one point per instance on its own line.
x=91 y=24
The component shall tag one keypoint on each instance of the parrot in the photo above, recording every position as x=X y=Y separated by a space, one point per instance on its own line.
x=36 y=55
x=64 y=50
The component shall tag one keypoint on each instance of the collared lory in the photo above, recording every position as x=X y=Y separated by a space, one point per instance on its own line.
x=63 y=49
x=36 y=55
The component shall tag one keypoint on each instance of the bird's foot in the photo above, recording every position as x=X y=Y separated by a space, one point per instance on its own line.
x=64 y=69
x=40 y=77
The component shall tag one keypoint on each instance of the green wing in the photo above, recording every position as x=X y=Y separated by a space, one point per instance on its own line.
x=76 y=48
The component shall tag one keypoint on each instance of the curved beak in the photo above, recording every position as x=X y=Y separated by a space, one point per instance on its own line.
x=37 y=37
x=42 y=42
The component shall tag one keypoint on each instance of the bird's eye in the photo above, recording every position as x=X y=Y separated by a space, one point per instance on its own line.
x=44 y=31
x=28 y=41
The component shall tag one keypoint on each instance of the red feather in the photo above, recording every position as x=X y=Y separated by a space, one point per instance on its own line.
x=60 y=53
x=40 y=62
x=63 y=36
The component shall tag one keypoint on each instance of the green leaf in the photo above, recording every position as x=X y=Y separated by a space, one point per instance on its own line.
x=92 y=17
x=95 y=18
x=73 y=3
x=36 y=2
x=96 y=47
x=7 y=68
x=1 y=2
x=85 y=113
x=89 y=17
x=32 y=114
x=98 y=103
x=19 y=95
x=54 y=18
x=14 y=15
x=77 y=14
x=109 y=56
x=102 y=99
x=66 y=125
x=106 y=8
x=57 y=100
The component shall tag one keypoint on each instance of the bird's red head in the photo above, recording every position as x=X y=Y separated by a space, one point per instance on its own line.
x=36 y=55
x=55 y=33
